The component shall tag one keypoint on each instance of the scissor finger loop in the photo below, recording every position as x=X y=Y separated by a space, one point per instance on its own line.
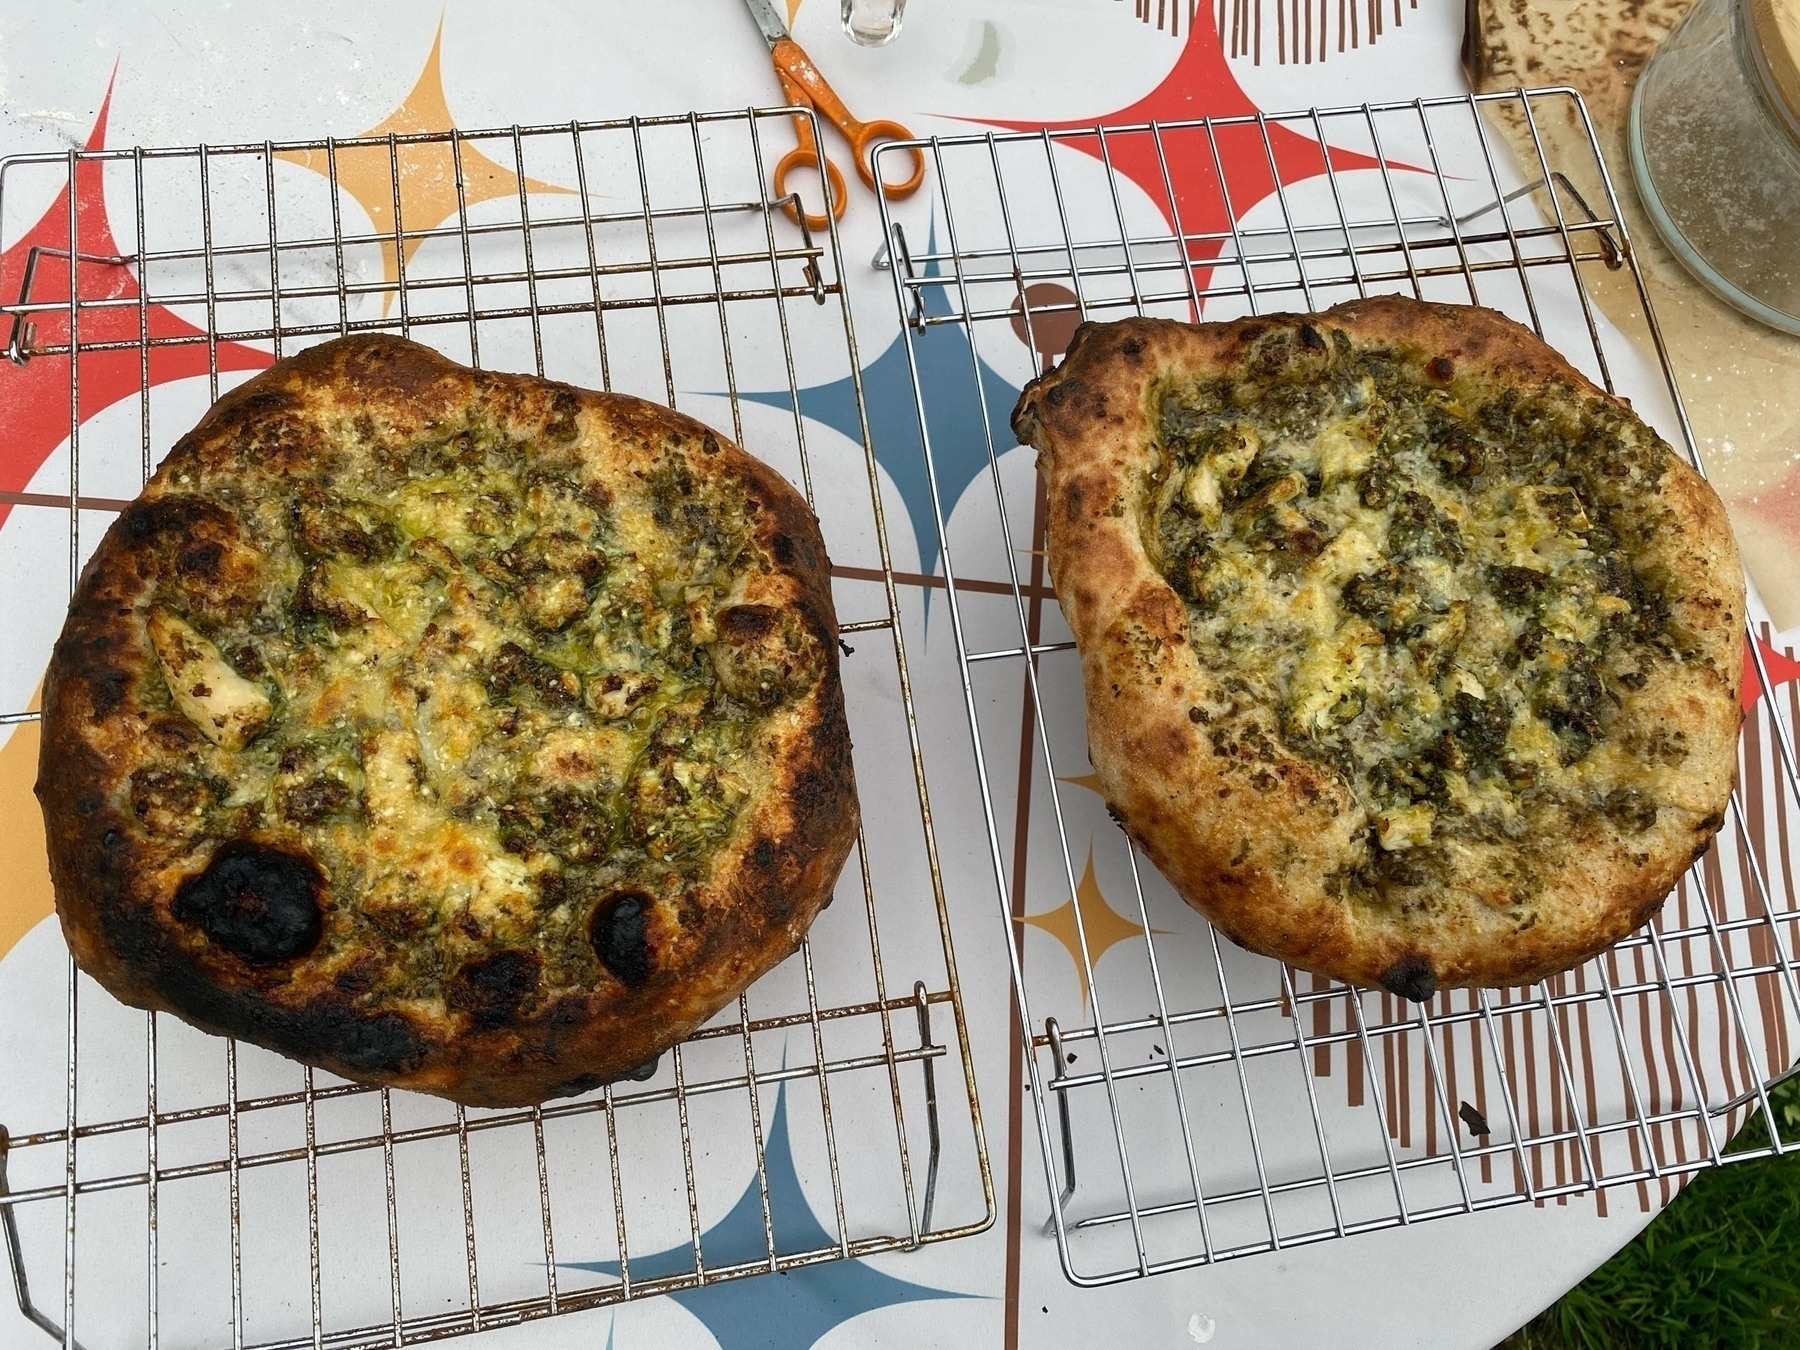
x=807 y=157
x=864 y=135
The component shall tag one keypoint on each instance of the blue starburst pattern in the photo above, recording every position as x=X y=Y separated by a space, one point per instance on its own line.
x=788 y=1311
x=960 y=388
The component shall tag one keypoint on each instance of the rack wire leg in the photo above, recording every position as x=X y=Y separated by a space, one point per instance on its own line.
x=15 y=1256
x=923 y=1004
x=1054 y=1033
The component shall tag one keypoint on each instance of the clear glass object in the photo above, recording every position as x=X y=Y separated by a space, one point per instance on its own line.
x=873 y=23
x=1715 y=151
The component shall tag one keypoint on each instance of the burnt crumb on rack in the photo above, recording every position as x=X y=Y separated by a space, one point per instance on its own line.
x=1477 y=1123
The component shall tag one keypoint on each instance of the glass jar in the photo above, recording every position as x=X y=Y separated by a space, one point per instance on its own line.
x=1715 y=150
x=873 y=23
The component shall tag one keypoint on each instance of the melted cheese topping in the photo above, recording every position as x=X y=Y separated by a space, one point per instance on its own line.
x=1438 y=588
x=485 y=695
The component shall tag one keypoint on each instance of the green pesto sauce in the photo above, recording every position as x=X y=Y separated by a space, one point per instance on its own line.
x=480 y=638
x=1435 y=587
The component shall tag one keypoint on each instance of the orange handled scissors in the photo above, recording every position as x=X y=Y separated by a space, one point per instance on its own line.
x=804 y=87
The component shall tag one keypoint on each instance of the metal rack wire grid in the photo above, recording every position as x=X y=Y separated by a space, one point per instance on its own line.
x=1193 y=1102
x=161 y=1187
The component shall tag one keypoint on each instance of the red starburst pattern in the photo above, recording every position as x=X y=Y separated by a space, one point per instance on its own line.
x=35 y=413
x=1782 y=668
x=1201 y=84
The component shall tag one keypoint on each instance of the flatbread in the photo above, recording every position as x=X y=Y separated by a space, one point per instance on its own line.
x=1411 y=656
x=455 y=731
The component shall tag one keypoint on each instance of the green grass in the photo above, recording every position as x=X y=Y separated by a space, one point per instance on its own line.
x=1719 y=1267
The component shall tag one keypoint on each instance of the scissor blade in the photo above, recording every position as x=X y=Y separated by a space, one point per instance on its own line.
x=773 y=28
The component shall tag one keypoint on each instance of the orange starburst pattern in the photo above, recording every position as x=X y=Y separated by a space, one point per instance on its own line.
x=427 y=174
x=1102 y=925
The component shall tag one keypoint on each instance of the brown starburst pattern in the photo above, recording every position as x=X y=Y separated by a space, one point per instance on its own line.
x=1302 y=31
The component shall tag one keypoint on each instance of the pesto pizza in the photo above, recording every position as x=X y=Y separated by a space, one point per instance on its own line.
x=1411 y=656
x=451 y=730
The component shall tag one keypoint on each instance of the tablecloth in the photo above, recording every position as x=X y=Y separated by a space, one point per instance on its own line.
x=118 y=74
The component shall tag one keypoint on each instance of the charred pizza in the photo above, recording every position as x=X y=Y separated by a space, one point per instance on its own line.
x=1411 y=656
x=457 y=731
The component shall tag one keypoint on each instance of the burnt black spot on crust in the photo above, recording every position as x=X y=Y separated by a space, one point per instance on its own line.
x=191 y=544
x=261 y=904
x=388 y=1043
x=564 y=405
x=620 y=935
x=1411 y=977
x=144 y=521
x=107 y=689
x=328 y=1028
x=640 y=1073
x=587 y=1082
x=493 y=989
x=201 y=561
x=783 y=546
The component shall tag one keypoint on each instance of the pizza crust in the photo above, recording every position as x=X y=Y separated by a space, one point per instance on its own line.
x=1274 y=845
x=154 y=908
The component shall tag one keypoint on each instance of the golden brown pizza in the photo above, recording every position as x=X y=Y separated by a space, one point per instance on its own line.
x=1411 y=656
x=457 y=731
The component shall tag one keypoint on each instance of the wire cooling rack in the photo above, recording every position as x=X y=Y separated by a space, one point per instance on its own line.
x=1195 y=1103
x=160 y=1187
